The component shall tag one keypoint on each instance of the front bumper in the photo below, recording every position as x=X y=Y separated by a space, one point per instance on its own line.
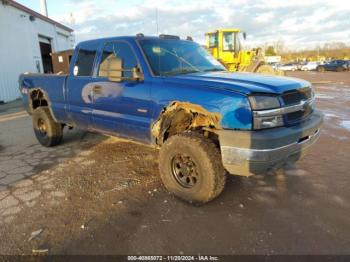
x=254 y=152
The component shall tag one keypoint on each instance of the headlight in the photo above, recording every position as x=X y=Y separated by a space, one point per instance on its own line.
x=264 y=102
x=259 y=103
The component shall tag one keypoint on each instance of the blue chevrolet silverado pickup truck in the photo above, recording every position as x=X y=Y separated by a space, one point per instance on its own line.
x=171 y=93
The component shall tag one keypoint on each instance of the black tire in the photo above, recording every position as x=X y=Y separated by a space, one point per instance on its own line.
x=203 y=161
x=47 y=131
x=321 y=69
x=339 y=69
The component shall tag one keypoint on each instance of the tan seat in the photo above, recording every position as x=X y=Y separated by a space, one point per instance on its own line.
x=111 y=67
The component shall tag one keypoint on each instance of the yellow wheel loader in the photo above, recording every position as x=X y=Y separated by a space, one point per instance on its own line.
x=226 y=46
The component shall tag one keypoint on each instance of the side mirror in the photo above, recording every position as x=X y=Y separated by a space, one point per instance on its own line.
x=244 y=35
x=137 y=75
x=112 y=68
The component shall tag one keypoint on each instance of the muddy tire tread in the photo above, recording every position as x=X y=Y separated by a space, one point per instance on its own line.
x=213 y=156
x=56 y=131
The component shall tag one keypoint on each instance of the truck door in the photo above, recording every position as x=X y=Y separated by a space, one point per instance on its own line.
x=79 y=96
x=121 y=107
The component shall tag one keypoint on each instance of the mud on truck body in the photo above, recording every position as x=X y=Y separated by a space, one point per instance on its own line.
x=171 y=93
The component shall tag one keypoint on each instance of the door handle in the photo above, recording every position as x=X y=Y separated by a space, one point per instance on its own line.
x=97 y=89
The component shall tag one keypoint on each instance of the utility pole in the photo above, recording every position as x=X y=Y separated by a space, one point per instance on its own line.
x=43 y=8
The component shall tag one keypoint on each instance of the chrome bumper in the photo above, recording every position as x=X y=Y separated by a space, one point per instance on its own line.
x=259 y=151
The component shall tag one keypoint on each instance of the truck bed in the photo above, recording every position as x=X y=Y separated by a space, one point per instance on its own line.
x=52 y=85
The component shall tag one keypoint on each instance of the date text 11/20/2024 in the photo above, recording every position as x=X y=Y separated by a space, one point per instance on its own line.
x=174 y=258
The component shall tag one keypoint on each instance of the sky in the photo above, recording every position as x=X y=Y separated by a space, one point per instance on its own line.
x=297 y=24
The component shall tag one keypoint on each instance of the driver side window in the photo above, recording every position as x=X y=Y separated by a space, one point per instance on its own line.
x=124 y=54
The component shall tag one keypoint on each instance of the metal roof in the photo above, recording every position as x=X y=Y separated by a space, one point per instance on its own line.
x=35 y=14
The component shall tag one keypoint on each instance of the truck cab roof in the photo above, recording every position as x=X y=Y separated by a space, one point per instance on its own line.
x=136 y=37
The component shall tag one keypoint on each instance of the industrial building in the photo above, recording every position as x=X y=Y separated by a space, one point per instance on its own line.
x=27 y=39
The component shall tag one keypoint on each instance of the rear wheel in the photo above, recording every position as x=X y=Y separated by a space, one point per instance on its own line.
x=47 y=131
x=321 y=69
x=191 y=168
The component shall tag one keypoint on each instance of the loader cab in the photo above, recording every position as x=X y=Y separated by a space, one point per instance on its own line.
x=226 y=45
x=225 y=40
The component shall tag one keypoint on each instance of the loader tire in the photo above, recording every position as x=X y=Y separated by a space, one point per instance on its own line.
x=47 y=131
x=191 y=168
x=265 y=69
x=279 y=72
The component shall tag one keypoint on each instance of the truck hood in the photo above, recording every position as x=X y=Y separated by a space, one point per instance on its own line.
x=246 y=83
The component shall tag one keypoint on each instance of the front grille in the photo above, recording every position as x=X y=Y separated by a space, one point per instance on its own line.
x=298 y=116
x=294 y=97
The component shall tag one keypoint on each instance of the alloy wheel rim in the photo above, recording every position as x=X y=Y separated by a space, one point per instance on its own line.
x=184 y=171
x=42 y=127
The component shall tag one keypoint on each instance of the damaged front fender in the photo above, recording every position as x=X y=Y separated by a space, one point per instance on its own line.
x=181 y=116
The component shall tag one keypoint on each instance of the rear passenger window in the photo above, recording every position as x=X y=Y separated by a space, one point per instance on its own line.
x=85 y=62
x=124 y=52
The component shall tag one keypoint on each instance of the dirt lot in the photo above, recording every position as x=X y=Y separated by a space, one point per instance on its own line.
x=101 y=195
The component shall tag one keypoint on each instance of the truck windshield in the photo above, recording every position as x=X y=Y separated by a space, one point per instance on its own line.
x=173 y=57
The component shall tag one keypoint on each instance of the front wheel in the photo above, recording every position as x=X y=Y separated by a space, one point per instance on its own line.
x=191 y=168
x=339 y=69
x=47 y=131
